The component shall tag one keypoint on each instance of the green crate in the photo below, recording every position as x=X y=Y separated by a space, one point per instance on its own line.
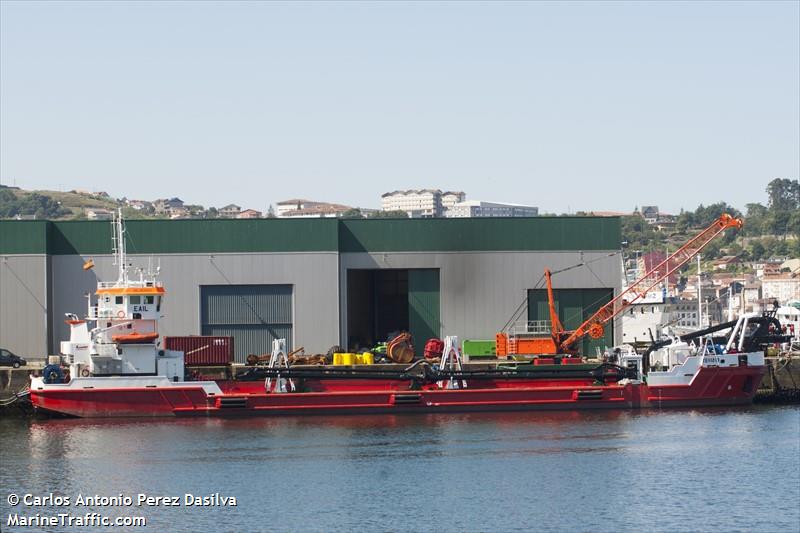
x=479 y=348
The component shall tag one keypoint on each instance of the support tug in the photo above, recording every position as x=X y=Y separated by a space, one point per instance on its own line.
x=117 y=369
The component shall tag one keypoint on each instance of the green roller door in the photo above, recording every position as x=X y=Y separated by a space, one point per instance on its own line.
x=254 y=315
x=423 y=306
x=573 y=307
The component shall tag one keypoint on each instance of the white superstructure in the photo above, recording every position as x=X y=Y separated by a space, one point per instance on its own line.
x=123 y=338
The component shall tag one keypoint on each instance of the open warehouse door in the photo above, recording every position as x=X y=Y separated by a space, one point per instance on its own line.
x=383 y=302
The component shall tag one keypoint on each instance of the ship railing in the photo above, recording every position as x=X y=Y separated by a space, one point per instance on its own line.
x=531 y=327
x=130 y=283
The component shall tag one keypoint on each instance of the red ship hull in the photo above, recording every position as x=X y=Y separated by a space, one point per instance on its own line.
x=711 y=386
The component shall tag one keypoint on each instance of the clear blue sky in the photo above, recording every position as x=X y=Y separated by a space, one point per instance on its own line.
x=577 y=106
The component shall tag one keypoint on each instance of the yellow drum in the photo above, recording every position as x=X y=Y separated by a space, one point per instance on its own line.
x=366 y=358
x=344 y=359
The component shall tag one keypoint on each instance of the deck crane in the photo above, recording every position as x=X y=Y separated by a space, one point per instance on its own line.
x=560 y=341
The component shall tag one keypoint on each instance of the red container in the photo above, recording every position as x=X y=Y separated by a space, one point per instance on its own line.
x=202 y=350
x=544 y=361
x=572 y=361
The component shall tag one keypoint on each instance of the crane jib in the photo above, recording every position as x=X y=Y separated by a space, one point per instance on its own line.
x=594 y=325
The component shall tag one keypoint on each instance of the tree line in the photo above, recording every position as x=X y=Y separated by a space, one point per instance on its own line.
x=771 y=230
x=33 y=204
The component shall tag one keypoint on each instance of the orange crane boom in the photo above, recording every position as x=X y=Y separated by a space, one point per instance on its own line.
x=555 y=324
x=595 y=325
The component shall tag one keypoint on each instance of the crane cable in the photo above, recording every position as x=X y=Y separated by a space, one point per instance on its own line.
x=537 y=285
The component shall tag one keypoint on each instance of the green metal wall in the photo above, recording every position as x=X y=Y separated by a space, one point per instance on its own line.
x=480 y=234
x=198 y=236
x=24 y=236
x=574 y=306
x=310 y=235
x=424 y=320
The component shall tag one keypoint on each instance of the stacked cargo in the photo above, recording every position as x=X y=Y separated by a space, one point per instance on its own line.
x=346 y=359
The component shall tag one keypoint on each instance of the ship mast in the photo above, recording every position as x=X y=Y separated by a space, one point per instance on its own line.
x=118 y=240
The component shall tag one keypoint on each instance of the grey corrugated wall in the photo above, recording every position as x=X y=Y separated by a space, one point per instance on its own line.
x=246 y=304
x=481 y=290
x=313 y=276
x=24 y=305
x=254 y=315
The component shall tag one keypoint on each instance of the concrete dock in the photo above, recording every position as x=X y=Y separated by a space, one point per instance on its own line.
x=782 y=382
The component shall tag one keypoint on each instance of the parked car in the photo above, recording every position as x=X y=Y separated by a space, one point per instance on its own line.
x=9 y=359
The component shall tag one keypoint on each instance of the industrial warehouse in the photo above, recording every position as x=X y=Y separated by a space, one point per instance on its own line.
x=315 y=282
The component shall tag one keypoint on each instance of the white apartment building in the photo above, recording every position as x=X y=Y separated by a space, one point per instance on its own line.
x=451 y=198
x=475 y=208
x=782 y=287
x=418 y=203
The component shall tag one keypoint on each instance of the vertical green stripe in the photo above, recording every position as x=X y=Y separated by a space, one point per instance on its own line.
x=423 y=306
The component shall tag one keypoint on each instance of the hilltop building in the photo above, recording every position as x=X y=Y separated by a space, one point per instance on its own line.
x=650 y=213
x=168 y=207
x=139 y=205
x=650 y=260
x=783 y=287
x=418 y=203
x=98 y=214
x=476 y=208
x=433 y=203
x=229 y=211
x=249 y=213
x=451 y=198
x=791 y=265
x=299 y=208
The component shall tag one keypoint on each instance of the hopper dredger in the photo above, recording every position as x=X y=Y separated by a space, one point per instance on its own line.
x=116 y=368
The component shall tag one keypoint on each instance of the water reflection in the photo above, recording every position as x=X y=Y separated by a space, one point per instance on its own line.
x=490 y=471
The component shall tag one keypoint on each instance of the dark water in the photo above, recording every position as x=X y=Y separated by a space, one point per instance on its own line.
x=688 y=470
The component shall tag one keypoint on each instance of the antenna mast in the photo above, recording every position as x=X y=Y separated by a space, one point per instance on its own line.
x=118 y=238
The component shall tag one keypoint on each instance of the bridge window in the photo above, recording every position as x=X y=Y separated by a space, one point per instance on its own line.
x=136 y=300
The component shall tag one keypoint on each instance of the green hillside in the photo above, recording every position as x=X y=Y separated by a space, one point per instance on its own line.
x=51 y=205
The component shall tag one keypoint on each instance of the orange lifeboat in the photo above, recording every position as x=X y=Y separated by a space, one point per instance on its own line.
x=134 y=338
